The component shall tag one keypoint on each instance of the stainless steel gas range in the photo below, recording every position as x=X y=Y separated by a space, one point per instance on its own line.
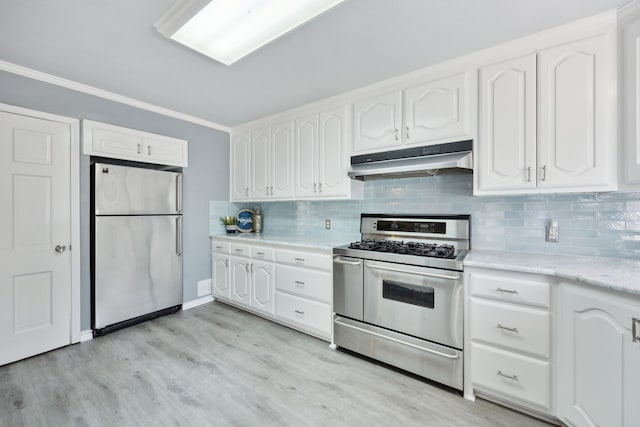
x=398 y=293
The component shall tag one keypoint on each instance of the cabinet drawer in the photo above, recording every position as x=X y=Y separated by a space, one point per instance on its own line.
x=240 y=250
x=220 y=246
x=304 y=259
x=308 y=283
x=306 y=313
x=262 y=253
x=514 y=377
x=517 y=327
x=510 y=288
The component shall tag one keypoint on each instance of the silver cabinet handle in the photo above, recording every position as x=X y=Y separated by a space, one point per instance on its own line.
x=508 y=291
x=148 y=150
x=260 y=253
x=511 y=377
x=320 y=188
x=179 y=236
x=60 y=248
x=395 y=131
x=179 y=193
x=417 y=347
x=226 y=263
x=529 y=174
x=272 y=190
x=544 y=173
x=299 y=283
x=499 y=326
x=299 y=312
x=246 y=191
x=266 y=190
x=218 y=247
x=314 y=187
x=239 y=250
x=634 y=329
x=342 y=261
x=407 y=134
x=299 y=259
x=138 y=148
x=417 y=273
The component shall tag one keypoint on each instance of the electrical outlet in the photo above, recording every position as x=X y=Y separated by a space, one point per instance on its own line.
x=327 y=224
x=204 y=287
x=552 y=232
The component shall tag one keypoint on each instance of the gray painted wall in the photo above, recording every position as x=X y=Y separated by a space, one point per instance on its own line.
x=206 y=178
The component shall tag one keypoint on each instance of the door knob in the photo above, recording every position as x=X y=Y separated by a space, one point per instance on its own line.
x=60 y=248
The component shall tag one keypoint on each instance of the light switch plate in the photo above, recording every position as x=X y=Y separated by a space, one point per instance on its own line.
x=552 y=232
x=327 y=224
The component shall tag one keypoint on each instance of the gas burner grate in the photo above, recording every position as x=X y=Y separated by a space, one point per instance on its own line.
x=405 y=248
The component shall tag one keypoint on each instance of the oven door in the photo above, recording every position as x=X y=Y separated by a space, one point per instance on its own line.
x=419 y=301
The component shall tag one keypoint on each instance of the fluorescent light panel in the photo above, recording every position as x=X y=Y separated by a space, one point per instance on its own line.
x=227 y=30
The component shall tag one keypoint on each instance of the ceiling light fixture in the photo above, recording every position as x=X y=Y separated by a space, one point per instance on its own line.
x=227 y=30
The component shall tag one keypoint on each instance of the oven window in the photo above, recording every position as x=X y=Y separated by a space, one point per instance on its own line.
x=422 y=296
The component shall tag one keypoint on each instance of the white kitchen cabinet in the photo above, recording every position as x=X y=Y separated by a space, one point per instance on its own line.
x=630 y=78
x=241 y=174
x=306 y=163
x=104 y=140
x=262 y=286
x=240 y=280
x=272 y=160
x=508 y=353
x=377 y=122
x=574 y=148
x=220 y=276
x=437 y=110
x=506 y=149
x=599 y=358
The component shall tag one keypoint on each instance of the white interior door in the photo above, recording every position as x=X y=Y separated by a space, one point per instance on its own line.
x=35 y=219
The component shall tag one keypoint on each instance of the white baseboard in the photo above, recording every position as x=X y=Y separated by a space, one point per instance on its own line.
x=196 y=302
x=86 y=335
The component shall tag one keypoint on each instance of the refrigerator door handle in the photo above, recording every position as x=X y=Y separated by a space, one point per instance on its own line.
x=179 y=193
x=179 y=236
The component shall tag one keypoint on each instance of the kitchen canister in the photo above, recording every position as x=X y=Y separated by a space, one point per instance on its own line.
x=257 y=219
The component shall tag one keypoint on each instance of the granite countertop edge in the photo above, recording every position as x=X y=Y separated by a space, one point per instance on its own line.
x=616 y=274
x=324 y=243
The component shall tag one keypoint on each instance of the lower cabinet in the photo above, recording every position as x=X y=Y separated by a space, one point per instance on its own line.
x=290 y=286
x=599 y=365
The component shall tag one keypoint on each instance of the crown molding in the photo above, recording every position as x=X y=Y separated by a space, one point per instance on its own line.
x=90 y=90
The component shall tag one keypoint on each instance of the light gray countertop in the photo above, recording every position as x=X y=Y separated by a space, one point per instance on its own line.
x=326 y=241
x=611 y=273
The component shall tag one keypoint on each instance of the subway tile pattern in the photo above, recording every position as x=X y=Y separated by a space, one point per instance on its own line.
x=600 y=224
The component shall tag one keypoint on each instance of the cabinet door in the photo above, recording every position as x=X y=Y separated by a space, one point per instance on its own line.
x=240 y=280
x=306 y=140
x=506 y=152
x=437 y=110
x=263 y=283
x=377 y=122
x=261 y=162
x=599 y=363
x=166 y=151
x=220 y=275
x=631 y=93
x=574 y=108
x=333 y=178
x=111 y=141
x=240 y=163
x=282 y=160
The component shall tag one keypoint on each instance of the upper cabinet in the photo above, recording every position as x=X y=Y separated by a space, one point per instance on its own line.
x=104 y=140
x=630 y=97
x=545 y=121
x=432 y=112
x=304 y=157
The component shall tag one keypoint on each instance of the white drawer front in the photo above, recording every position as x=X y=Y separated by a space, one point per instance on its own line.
x=220 y=246
x=517 y=327
x=262 y=253
x=304 y=259
x=240 y=250
x=510 y=289
x=309 y=283
x=306 y=313
x=517 y=378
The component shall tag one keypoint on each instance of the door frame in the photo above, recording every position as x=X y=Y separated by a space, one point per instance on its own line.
x=74 y=165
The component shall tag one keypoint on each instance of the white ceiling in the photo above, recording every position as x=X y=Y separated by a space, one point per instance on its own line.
x=112 y=45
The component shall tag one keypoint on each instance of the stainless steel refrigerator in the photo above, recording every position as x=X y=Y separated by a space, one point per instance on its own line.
x=137 y=245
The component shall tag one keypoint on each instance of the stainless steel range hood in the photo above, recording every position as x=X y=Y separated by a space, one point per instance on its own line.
x=441 y=159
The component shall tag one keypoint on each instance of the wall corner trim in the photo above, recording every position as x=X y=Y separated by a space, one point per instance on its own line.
x=90 y=90
x=196 y=302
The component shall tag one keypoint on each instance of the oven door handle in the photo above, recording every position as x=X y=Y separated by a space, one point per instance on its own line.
x=417 y=347
x=342 y=261
x=418 y=273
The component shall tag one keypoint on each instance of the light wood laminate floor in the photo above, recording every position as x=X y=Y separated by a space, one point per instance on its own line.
x=216 y=365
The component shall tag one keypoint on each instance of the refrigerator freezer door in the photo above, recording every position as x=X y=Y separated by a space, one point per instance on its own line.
x=138 y=266
x=123 y=190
